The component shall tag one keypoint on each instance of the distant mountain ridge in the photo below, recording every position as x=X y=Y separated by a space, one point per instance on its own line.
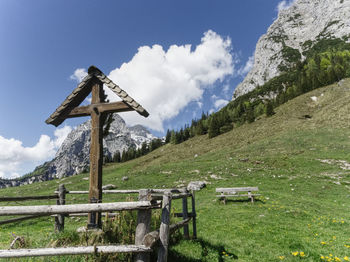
x=296 y=30
x=73 y=155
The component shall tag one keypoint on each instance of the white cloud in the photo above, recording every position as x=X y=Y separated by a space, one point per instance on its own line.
x=285 y=4
x=165 y=81
x=14 y=156
x=78 y=74
x=220 y=103
x=247 y=67
x=214 y=97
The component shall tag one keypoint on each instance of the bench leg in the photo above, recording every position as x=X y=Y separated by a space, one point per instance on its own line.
x=224 y=200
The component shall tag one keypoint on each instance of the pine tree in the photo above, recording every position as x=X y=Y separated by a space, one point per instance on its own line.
x=214 y=128
x=144 y=148
x=167 y=136
x=116 y=157
x=269 y=109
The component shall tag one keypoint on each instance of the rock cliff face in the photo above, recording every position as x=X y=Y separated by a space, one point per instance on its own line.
x=73 y=155
x=294 y=31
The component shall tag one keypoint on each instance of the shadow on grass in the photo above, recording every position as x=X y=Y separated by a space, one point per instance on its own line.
x=209 y=252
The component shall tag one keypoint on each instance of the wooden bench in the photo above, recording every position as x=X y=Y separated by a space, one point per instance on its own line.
x=237 y=192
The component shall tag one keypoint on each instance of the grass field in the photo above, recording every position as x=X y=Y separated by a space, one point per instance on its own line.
x=299 y=164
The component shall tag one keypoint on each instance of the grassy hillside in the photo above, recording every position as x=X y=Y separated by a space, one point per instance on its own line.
x=298 y=159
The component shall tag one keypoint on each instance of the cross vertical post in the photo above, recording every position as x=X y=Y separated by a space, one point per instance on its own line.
x=96 y=154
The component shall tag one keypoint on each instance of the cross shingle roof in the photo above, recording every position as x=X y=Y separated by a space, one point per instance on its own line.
x=83 y=90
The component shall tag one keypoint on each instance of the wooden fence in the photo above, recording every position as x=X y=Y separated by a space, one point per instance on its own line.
x=144 y=239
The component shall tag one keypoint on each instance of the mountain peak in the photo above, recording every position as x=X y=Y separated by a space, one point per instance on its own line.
x=296 y=30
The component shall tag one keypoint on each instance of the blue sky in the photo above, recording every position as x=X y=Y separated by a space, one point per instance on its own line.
x=193 y=50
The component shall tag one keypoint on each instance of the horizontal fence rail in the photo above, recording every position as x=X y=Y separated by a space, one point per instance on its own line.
x=103 y=191
x=174 y=196
x=79 y=208
x=60 y=251
x=18 y=219
x=125 y=191
x=23 y=198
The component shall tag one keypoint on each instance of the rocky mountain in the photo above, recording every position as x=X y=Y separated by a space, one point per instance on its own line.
x=73 y=155
x=295 y=31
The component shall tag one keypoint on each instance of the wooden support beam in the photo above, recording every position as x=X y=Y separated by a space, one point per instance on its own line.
x=61 y=251
x=164 y=228
x=59 y=220
x=143 y=226
x=96 y=155
x=194 y=215
x=185 y=216
x=115 y=107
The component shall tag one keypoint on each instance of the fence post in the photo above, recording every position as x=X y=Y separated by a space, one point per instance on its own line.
x=185 y=214
x=164 y=228
x=59 y=219
x=194 y=215
x=143 y=226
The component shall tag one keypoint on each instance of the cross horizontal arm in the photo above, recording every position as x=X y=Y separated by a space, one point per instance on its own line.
x=101 y=108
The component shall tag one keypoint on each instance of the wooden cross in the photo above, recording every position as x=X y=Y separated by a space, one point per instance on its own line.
x=98 y=109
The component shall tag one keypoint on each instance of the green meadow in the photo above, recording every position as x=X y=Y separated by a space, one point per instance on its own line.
x=299 y=158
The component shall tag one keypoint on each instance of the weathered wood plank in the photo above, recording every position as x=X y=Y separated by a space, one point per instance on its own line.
x=174 y=196
x=106 y=192
x=236 y=189
x=85 y=214
x=164 y=228
x=23 y=198
x=96 y=155
x=76 y=208
x=60 y=251
x=238 y=195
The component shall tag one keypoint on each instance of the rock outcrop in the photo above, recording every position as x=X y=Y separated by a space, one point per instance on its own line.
x=294 y=31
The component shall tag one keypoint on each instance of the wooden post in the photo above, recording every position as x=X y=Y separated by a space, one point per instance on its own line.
x=194 y=215
x=143 y=226
x=164 y=228
x=59 y=220
x=185 y=215
x=96 y=154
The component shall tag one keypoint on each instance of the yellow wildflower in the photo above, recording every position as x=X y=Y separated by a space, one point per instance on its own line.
x=302 y=254
x=323 y=243
x=282 y=257
x=337 y=259
x=334 y=237
x=295 y=253
x=346 y=258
